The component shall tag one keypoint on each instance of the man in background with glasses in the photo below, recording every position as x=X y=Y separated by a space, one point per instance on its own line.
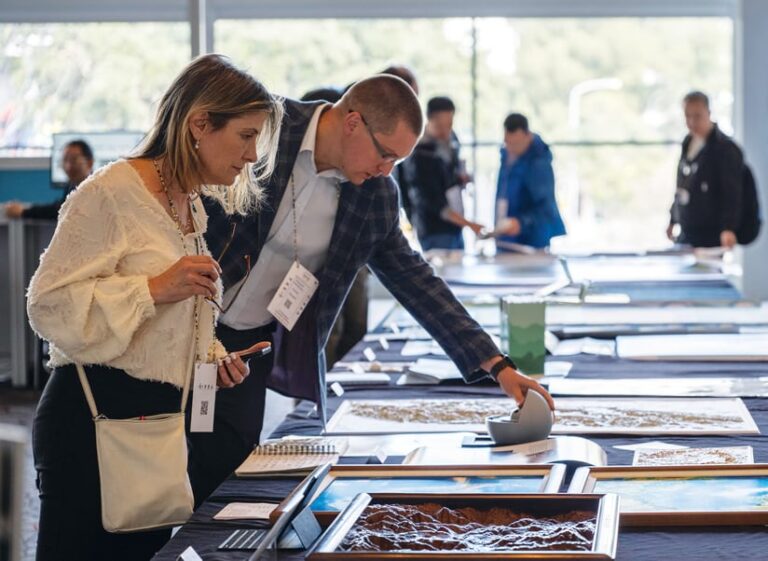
x=330 y=209
x=77 y=163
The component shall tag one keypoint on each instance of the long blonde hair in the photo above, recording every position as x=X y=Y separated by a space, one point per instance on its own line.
x=213 y=85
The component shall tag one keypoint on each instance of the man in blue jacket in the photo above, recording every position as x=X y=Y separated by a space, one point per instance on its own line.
x=526 y=210
x=331 y=208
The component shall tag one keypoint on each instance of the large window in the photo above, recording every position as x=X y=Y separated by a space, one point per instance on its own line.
x=292 y=57
x=83 y=77
x=604 y=93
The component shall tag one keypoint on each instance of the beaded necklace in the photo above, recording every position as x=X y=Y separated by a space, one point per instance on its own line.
x=198 y=251
x=172 y=205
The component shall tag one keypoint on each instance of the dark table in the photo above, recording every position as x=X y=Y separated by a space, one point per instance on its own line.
x=635 y=544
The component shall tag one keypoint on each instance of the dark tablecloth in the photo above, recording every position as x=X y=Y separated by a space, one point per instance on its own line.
x=715 y=544
x=591 y=366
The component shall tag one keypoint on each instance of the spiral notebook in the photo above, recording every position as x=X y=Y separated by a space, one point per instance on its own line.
x=291 y=456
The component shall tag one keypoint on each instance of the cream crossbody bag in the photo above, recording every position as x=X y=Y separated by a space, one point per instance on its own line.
x=142 y=467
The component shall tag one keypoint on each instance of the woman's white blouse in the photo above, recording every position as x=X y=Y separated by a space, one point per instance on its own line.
x=90 y=296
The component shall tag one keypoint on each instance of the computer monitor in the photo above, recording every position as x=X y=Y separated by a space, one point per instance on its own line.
x=107 y=147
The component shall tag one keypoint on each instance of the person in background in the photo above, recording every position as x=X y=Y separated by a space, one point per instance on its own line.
x=121 y=289
x=404 y=73
x=526 y=209
x=708 y=201
x=437 y=177
x=352 y=322
x=399 y=174
x=330 y=94
x=77 y=163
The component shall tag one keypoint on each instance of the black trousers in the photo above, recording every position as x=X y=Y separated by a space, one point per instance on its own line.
x=699 y=237
x=64 y=447
x=238 y=417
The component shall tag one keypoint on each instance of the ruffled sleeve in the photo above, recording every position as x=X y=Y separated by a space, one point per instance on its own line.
x=77 y=298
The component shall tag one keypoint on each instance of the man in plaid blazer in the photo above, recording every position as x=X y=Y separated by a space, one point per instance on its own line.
x=363 y=136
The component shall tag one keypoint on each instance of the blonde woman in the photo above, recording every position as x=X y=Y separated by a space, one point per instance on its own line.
x=120 y=289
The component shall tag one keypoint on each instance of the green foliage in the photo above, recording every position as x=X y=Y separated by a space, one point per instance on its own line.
x=85 y=77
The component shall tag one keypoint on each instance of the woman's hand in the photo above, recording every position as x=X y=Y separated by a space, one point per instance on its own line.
x=232 y=371
x=191 y=275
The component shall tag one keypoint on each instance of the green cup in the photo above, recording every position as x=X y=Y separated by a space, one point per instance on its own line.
x=522 y=331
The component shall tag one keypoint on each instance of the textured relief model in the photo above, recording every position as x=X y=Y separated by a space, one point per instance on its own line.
x=620 y=415
x=694 y=456
x=433 y=527
x=573 y=415
x=465 y=411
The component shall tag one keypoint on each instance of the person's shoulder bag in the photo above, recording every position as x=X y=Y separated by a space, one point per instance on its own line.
x=142 y=466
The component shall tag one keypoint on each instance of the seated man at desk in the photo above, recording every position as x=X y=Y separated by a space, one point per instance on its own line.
x=77 y=162
x=526 y=209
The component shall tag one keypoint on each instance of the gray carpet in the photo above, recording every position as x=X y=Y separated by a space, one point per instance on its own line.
x=18 y=407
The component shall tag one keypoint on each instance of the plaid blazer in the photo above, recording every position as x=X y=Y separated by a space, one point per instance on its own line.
x=366 y=232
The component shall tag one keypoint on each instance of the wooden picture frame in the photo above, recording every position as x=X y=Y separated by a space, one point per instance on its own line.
x=574 y=416
x=603 y=545
x=712 y=495
x=357 y=478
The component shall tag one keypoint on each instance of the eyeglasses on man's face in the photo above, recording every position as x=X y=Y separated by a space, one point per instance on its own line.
x=387 y=156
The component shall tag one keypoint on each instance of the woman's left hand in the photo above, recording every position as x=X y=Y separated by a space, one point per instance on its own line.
x=232 y=371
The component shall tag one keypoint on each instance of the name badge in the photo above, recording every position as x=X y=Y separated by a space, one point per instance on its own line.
x=203 y=397
x=189 y=554
x=293 y=295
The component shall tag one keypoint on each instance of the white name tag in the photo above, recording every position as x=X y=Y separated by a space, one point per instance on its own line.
x=293 y=295
x=189 y=554
x=203 y=397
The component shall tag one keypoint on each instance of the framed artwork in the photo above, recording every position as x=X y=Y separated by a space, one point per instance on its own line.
x=692 y=315
x=574 y=415
x=682 y=495
x=662 y=387
x=446 y=527
x=343 y=482
x=708 y=347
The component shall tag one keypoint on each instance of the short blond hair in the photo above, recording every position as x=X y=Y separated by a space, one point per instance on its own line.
x=213 y=85
x=384 y=101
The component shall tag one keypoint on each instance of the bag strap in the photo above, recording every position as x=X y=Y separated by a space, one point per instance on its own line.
x=184 y=392
x=87 y=390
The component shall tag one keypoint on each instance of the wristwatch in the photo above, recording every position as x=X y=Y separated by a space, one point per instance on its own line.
x=501 y=365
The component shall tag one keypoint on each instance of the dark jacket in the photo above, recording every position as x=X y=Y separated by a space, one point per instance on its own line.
x=400 y=175
x=48 y=211
x=709 y=191
x=366 y=232
x=528 y=185
x=431 y=177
